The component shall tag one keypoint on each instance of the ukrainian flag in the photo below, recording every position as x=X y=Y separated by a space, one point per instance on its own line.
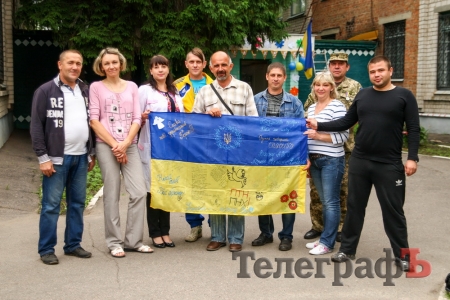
x=230 y=165
x=307 y=50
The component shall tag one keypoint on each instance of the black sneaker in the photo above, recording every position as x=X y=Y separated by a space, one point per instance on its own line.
x=285 y=245
x=403 y=264
x=50 y=259
x=341 y=257
x=79 y=252
x=312 y=234
x=447 y=283
x=262 y=240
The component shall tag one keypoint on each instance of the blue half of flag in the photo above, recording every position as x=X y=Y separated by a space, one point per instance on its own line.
x=229 y=140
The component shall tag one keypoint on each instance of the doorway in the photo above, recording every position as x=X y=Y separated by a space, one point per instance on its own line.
x=253 y=71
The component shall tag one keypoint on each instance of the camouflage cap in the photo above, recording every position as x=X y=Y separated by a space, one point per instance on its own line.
x=339 y=56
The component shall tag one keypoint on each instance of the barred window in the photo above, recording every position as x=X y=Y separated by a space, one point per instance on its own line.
x=394 y=46
x=443 y=63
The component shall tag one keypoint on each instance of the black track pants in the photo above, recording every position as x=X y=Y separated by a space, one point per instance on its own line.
x=389 y=182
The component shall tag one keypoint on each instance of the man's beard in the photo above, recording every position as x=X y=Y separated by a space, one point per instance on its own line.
x=222 y=76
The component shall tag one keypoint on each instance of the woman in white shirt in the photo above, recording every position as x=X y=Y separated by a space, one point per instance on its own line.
x=327 y=156
x=159 y=94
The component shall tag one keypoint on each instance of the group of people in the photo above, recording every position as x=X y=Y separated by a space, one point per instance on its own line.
x=111 y=113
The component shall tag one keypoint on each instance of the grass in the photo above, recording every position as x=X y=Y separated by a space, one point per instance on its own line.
x=434 y=150
x=427 y=146
x=94 y=183
x=431 y=148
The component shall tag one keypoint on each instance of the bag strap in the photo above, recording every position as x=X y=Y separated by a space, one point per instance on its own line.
x=221 y=100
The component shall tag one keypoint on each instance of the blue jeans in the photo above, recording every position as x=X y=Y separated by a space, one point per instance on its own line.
x=236 y=226
x=327 y=173
x=266 y=226
x=72 y=175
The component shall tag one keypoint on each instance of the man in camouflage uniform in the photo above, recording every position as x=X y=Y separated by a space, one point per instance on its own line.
x=346 y=89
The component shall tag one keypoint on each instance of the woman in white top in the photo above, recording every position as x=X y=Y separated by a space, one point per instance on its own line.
x=159 y=94
x=327 y=156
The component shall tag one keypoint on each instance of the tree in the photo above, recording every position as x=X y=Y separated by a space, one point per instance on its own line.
x=145 y=28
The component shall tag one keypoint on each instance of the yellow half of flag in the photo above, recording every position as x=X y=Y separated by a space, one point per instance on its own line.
x=178 y=186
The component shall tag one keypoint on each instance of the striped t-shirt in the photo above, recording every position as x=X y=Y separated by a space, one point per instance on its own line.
x=333 y=111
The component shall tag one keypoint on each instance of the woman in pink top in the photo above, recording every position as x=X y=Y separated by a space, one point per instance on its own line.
x=115 y=117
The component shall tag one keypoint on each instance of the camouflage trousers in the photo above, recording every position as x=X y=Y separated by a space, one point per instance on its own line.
x=315 y=206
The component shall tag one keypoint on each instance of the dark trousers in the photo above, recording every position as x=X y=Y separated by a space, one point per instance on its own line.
x=158 y=220
x=389 y=183
x=266 y=225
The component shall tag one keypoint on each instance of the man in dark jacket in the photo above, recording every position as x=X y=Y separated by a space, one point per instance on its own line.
x=376 y=161
x=63 y=143
x=275 y=102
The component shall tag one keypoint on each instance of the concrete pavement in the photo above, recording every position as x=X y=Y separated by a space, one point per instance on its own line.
x=188 y=271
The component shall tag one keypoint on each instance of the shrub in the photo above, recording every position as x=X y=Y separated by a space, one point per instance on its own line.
x=423 y=137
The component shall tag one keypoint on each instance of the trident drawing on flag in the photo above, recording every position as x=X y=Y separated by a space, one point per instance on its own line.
x=227 y=138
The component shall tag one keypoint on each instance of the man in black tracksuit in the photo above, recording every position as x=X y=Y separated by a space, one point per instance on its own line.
x=381 y=111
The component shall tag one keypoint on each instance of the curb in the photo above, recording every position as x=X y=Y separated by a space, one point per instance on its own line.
x=94 y=200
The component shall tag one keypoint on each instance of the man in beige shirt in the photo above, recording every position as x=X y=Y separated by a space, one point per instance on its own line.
x=238 y=97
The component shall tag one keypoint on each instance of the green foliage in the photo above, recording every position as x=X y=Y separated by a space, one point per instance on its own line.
x=434 y=150
x=94 y=183
x=145 y=28
x=423 y=138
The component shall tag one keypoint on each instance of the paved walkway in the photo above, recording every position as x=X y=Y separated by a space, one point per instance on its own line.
x=188 y=271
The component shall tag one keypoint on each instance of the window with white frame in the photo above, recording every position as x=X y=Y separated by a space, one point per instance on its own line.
x=394 y=46
x=298 y=7
x=443 y=55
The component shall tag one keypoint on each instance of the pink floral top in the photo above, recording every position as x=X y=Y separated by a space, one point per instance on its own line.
x=115 y=111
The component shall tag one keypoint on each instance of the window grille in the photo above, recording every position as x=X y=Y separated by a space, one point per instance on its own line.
x=394 y=46
x=443 y=55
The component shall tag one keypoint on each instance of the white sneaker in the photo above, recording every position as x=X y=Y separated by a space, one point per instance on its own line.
x=195 y=234
x=312 y=245
x=320 y=249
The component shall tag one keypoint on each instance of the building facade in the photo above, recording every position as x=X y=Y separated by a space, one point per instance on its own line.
x=6 y=70
x=433 y=65
x=414 y=34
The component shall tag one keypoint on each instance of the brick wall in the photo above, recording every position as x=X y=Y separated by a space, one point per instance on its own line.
x=352 y=17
